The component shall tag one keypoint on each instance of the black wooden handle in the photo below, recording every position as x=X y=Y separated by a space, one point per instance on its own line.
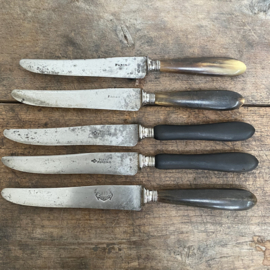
x=202 y=99
x=224 y=199
x=231 y=131
x=226 y=162
x=220 y=66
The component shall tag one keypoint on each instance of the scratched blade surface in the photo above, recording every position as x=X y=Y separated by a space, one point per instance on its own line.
x=90 y=163
x=116 y=67
x=123 y=99
x=115 y=135
x=97 y=197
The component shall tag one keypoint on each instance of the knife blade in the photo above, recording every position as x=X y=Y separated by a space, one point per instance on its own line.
x=129 y=99
x=128 y=163
x=134 y=67
x=131 y=197
x=129 y=135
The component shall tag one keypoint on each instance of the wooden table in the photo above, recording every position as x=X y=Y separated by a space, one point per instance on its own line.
x=160 y=236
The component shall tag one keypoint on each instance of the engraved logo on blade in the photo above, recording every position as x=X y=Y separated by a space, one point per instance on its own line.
x=104 y=195
x=100 y=160
x=121 y=65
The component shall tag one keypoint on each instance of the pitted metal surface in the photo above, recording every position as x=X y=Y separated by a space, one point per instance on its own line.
x=116 y=135
x=90 y=163
x=122 y=99
x=116 y=67
x=98 y=197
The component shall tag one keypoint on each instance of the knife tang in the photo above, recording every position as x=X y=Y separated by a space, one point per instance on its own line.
x=220 y=66
x=225 y=162
x=230 y=131
x=202 y=99
x=223 y=199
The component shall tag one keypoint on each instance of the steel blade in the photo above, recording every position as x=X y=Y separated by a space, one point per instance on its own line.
x=116 y=135
x=90 y=163
x=116 y=67
x=97 y=197
x=122 y=99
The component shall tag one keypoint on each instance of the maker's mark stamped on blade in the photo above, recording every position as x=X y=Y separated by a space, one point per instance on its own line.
x=100 y=160
x=103 y=195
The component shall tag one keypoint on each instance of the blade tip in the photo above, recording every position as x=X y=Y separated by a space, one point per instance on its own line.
x=16 y=95
x=23 y=62
x=5 y=194
x=5 y=161
x=6 y=133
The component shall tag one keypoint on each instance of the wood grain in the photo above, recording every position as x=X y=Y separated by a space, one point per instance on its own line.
x=161 y=236
x=79 y=29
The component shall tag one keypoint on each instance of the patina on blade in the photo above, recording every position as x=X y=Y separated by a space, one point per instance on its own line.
x=98 y=197
x=90 y=163
x=122 y=99
x=116 y=67
x=116 y=135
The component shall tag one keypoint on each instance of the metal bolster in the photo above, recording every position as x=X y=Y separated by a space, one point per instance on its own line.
x=148 y=98
x=153 y=65
x=145 y=132
x=149 y=195
x=145 y=161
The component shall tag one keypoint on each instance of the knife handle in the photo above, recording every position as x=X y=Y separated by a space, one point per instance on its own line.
x=223 y=199
x=202 y=99
x=230 y=131
x=219 y=66
x=225 y=162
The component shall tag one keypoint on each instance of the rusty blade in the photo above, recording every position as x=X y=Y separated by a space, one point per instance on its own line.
x=122 y=99
x=116 y=67
x=97 y=197
x=115 y=135
x=125 y=163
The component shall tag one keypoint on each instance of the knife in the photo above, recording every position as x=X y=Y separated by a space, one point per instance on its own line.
x=130 y=135
x=131 y=197
x=129 y=99
x=134 y=67
x=128 y=163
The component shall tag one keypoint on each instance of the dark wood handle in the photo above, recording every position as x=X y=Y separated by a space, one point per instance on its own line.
x=230 y=131
x=223 y=199
x=220 y=66
x=225 y=162
x=202 y=99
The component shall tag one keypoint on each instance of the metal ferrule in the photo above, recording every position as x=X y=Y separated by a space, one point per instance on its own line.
x=149 y=195
x=153 y=65
x=145 y=132
x=148 y=98
x=145 y=161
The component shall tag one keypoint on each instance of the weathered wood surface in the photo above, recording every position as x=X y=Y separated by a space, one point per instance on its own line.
x=160 y=236
x=82 y=29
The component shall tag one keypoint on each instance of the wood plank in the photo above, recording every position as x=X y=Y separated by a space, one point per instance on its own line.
x=160 y=236
x=80 y=29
